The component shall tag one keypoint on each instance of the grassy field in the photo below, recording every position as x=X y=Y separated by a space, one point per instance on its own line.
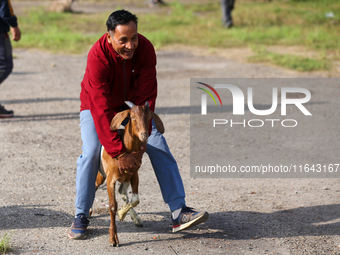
x=258 y=25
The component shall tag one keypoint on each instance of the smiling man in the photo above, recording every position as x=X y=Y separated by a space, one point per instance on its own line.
x=124 y=39
x=121 y=66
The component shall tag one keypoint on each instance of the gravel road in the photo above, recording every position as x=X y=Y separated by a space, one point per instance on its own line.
x=40 y=146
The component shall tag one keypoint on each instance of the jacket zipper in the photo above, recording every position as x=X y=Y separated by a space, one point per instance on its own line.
x=125 y=79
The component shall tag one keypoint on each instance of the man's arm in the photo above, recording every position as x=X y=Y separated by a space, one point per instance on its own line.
x=7 y=15
x=98 y=88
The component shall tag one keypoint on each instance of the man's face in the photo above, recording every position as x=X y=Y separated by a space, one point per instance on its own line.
x=124 y=39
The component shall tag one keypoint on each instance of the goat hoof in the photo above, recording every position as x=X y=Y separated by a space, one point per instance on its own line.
x=140 y=225
x=114 y=244
x=122 y=214
x=136 y=220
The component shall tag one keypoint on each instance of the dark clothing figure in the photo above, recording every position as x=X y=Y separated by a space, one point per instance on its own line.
x=227 y=6
x=7 y=17
x=157 y=2
x=6 y=59
x=8 y=21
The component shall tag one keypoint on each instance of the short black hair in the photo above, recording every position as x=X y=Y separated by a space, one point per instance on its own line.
x=120 y=17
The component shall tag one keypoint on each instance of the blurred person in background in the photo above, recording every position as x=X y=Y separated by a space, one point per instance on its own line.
x=227 y=6
x=8 y=21
x=156 y=2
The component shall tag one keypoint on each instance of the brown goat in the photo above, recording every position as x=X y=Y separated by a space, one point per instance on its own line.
x=136 y=133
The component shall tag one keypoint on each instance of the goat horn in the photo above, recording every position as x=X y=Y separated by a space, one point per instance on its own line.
x=147 y=103
x=130 y=104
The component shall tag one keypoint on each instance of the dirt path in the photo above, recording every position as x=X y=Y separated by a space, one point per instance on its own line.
x=38 y=153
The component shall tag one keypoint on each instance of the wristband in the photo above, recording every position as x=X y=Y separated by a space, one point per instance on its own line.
x=120 y=155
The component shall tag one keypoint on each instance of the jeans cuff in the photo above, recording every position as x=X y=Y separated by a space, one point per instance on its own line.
x=176 y=203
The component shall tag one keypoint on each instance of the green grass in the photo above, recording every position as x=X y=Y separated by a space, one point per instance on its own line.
x=4 y=243
x=68 y=33
x=256 y=22
x=259 y=23
x=303 y=64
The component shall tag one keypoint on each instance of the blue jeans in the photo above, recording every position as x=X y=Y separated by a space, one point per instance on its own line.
x=162 y=161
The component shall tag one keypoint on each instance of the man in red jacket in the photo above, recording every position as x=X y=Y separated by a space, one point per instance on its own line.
x=121 y=66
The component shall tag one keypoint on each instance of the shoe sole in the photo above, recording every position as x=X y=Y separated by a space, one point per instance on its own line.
x=6 y=116
x=192 y=223
x=76 y=238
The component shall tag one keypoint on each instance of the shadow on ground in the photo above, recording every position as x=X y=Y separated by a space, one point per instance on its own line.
x=315 y=220
x=232 y=225
x=32 y=216
x=238 y=225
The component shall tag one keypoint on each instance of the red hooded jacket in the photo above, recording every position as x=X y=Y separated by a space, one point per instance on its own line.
x=110 y=80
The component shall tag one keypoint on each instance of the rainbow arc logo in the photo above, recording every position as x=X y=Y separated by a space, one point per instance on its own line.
x=204 y=97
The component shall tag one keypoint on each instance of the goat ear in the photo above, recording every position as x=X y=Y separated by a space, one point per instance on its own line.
x=158 y=122
x=118 y=119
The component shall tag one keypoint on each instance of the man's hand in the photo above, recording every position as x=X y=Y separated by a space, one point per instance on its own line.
x=139 y=154
x=128 y=164
x=16 y=33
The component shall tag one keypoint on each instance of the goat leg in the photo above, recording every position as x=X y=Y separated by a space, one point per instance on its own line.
x=123 y=211
x=99 y=181
x=123 y=193
x=128 y=207
x=135 y=200
x=111 y=184
x=136 y=219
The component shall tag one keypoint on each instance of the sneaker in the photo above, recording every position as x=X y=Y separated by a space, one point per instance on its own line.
x=188 y=218
x=228 y=24
x=79 y=227
x=4 y=113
